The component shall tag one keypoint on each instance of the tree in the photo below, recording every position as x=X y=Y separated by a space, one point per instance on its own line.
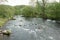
x=38 y=8
x=27 y=11
x=43 y=7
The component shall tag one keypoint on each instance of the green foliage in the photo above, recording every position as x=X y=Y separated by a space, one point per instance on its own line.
x=50 y=11
x=18 y=9
x=27 y=11
x=2 y=21
x=38 y=8
x=53 y=11
x=6 y=11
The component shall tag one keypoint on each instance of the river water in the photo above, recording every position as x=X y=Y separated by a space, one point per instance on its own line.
x=32 y=29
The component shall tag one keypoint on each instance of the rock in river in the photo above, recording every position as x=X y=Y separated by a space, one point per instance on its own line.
x=5 y=32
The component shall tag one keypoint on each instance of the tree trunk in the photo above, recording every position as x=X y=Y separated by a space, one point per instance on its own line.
x=43 y=9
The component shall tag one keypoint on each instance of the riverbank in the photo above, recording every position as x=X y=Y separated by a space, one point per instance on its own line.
x=3 y=21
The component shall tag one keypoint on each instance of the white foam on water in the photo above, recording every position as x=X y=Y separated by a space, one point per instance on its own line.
x=51 y=37
x=43 y=26
x=33 y=32
x=30 y=31
x=48 y=20
x=53 y=21
x=25 y=29
x=39 y=30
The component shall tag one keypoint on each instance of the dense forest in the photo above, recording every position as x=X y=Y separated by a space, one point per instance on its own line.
x=46 y=11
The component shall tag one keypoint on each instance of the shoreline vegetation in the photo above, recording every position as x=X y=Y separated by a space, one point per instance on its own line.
x=50 y=11
x=3 y=21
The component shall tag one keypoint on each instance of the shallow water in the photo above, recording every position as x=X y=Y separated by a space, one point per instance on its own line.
x=32 y=29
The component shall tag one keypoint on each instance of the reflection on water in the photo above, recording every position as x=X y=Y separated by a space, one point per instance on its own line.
x=32 y=29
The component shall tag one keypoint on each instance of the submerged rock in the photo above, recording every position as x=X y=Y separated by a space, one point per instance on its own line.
x=20 y=25
x=35 y=24
x=39 y=28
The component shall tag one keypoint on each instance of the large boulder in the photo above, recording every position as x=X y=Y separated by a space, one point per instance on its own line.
x=6 y=32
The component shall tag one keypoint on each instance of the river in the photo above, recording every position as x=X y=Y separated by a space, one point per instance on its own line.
x=32 y=29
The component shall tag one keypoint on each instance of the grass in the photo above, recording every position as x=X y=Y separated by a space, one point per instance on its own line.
x=2 y=21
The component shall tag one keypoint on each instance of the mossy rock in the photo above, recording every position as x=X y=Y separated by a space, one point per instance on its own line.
x=6 y=32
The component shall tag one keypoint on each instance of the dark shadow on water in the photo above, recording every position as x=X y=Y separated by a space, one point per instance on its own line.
x=28 y=18
x=57 y=25
x=44 y=20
